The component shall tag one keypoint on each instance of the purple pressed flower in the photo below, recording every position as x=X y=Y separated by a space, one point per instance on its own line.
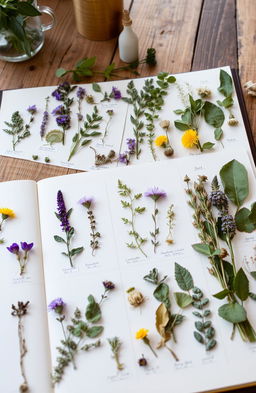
x=123 y=158
x=32 y=109
x=155 y=194
x=131 y=144
x=26 y=246
x=59 y=110
x=14 y=248
x=86 y=202
x=61 y=91
x=108 y=285
x=116 y=94
x=44 y=123
x=56 y=305
x=58 y=95
x=81 y=93
x=80 y=117
x=62 y=212
x=64 y=86
x=63 y=121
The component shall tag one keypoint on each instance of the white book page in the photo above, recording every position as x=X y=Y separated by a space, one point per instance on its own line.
x=120 y=127
x=229 y=364
x=21 y=197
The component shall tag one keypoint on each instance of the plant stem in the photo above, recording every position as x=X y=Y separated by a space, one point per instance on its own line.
x=23 y=351
x=68 y=249
x=172 y=352
x=66 y=340
x=133 y=227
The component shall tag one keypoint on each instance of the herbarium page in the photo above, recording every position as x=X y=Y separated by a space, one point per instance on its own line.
x=124 y=122
x=130 y=300
x=25 y=357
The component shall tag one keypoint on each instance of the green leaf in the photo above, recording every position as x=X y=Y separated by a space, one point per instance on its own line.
x=226 y=84
x=96 y=87
x=171 y=79
x=183 y=300
x=253 y=274
x=199 y=326
x=213 y=114
x=61 y=72
x=243 y=221
x=94 y=331
x=92 y=312
x=241 y=285
x=183 y=278
x=181 y=125
x=76 y=251
x=210 y=332
x=208 y=145
x=27 y=9
x=86 y=63
x=178 y=111
x=59 y=239
x=235 y=181
x=222 y=294
x=218 y=134
x=202 y=249
x=227 y=102
x=211 y=344
x=161 y=293
x=232 y=312
x=199 y=337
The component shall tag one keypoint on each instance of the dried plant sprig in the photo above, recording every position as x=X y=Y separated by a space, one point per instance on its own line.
x=20 y=311
x=16 y=127
x=125 y=157
x=89 y=203
x=226 y=88
x=168 y=150
x=6 y=213
x=63 y=216
x=45 y=118
x=115 y=345
x=83 y=137
x=102 y=159
x=115 y=93
x=22 y=258
x=170 y=223
x=142 y=334
x=125 y=192
x=110 y=114
x=155 y=194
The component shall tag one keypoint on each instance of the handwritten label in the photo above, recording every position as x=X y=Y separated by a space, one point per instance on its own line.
x=47 y=148
x=108 y=105
x=121 y=376
x=231 y=139
x=151 y=370
x=92 y=265
x=22 y=280
x=14 y=152
x=208 y=359
x=70 y=270
x=183 y=365
x=98 y=144
x=176 y=252
x=68 y=164
x=134 y=260
x=253 y=348
x=250 y=239
x=198 y=168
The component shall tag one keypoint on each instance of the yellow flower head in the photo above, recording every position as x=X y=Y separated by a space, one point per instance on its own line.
x=189 y=139
x=161 y=140
x=142 y=333
x=7 y=212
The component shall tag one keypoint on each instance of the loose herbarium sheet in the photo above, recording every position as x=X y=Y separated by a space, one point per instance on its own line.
x=99 y=128
x=115 y=261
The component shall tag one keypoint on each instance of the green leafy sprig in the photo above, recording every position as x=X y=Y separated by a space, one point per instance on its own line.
x=17 y=129
x=170 y=223
x=84 y=68
x=115 y=345
x=125 y=192
x=226 y=88
x=84 y=136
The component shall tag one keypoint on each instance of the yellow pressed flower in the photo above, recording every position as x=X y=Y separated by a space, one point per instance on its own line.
x=189 y=139
x=161 y=140
x=7 y=212
x=142 y=333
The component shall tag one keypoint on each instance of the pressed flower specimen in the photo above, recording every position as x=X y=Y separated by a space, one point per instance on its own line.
x=110 y=114
x=168 y=150
x=115 y=93
x=63 y=216
x=190 y=139
x=22 y=257
x=129 y=203
x=20 y=311
x=16 y=127
x=81 y=93
x=88 y=203
x=125 y=157
x=135 y=297
x=170 y=223
x=226 y=88
x=102 y=159
x=155 y=194
x=45 y=118
x=115 y=345
x=142 y=334
x=6 y=213
x=214 y=231
x=75 y=332
x=83 y=137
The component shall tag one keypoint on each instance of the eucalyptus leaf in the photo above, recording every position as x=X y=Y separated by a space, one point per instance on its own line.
x=183 y=300
x=211 y=344
x=210 y=332
x=183 y=278
x=232 y=312
x=92 y=312
x=235 y=181
x=61 y=72
x=199 y=326
x=199 y=337
x=241 y=285
x=213 y=115
x=226 y=84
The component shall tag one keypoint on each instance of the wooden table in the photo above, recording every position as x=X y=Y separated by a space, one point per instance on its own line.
x=188 y=35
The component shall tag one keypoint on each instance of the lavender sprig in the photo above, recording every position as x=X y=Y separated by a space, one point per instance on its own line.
x=95 y=235
x=20 y=311
x=45 y=118
x=63 y=216
x=155 y=194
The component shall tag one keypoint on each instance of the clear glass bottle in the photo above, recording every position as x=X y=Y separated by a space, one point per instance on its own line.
x=128 y=41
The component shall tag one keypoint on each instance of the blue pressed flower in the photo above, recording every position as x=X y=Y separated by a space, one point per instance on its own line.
x=62 y=212
x=59 y=110
x=14 y=248
x=56 y=305
x=81 y=93
x=32 y=109
x=86 y=202
x=26 y=246
x=155 y=194
x=123 y=158
x=116 y=94
x=131 y=144
x=63 y=120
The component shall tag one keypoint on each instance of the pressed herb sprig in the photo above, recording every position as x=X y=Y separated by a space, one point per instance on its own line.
x=226 y=88
x=45 y=118
x=83 y=137
x=115 y=93
x=170 y=223
x=102 y=159
x=110 y=114
x=63 y=216
x=131 y=198
x=84 y=68
x=20 y=311
x=125 y=157
x=115 y=345
x=155 y=194
x=22 y=257
x=88 y=203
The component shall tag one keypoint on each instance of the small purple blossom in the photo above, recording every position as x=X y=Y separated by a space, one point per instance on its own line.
x=58 y=95
x=155 y=194
x=44 y=123
x=123 y=158
x=131 y=144
x=81 y=93
x=108 y=285
x=61 y=92
x=80 y=117
x=26 y=246
x=62 y=212
x=14 y=248
x=63 y=121
x=59 y=110
x=56 y=305
x=86 y=202
x=110 y=112
x=32 y=109
x=116 y=94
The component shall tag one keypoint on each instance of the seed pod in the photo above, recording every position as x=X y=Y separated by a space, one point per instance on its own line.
x=135 y=297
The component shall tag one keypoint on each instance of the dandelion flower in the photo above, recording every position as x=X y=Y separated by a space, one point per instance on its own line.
x=7 y=212
x=161 y=141
x=189 y=139
x=142 y=333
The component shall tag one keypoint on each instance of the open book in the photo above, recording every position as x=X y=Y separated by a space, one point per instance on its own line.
x=116 y=257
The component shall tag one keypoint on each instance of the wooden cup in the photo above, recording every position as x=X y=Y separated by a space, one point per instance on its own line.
x=98 y=20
